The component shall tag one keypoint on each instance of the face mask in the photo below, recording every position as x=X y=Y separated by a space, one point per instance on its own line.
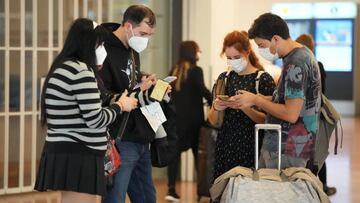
x=237 y=65
x=266 y=54
x=139 y=44
x=100 y=54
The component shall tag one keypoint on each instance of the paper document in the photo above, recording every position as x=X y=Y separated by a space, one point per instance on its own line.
x=154 y=115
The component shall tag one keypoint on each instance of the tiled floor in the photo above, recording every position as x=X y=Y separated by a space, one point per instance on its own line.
x=343 y=172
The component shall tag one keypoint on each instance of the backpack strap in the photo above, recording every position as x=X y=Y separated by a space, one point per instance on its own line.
x=257 y=80
x=337 y=137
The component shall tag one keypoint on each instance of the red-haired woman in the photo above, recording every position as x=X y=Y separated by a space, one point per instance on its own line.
x=235 y=142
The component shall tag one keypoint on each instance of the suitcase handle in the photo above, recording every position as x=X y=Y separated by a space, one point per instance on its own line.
x=266 y=127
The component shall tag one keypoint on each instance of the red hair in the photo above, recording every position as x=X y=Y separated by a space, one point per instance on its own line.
x=240 y=41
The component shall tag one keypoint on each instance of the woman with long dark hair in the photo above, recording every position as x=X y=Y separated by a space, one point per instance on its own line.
x=71 y=109
x=188 y=93
x=235 y=144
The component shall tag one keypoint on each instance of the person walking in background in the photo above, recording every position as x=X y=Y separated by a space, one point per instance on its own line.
x=189 y=91
x=72 y=160
x=308 y=41
x=235 y=145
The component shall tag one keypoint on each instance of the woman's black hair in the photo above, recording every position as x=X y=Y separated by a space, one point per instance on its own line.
x=80 y=44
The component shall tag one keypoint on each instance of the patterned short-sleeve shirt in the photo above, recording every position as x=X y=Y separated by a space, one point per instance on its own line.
x=300 y=78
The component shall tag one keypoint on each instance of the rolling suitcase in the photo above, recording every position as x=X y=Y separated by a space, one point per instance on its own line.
x=205 y=160
x=294 y=184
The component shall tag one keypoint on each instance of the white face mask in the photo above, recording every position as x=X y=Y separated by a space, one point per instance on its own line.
x=139 y=44
x=100 y=54
x=237 y=65
x=266 y=54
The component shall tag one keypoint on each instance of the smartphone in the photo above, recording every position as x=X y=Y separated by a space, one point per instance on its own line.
x=223 y=97
x=170 y=79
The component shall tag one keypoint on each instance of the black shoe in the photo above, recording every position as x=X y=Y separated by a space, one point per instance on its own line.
x=329 y=190
x=172 y=197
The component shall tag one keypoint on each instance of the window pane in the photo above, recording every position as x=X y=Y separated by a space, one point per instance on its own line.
x=2 y=135
x=14 y=81
x=2 y=81
x=27 y=150
x=28 y=80
x=14 y=140
x=42 y=70
x=92 y=9
x=105 y=11
x=2 y=23
x=55 y=54
x=40 y=140
x=81 y=9
x=28 y=23
x=55 y=23
x=159 y=44
x=14 y=22
x=43 y=23
x=68 y=16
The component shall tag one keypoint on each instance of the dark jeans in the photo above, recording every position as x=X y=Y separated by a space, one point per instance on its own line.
x=134 y=175
x=173 y=168
x=322 y=175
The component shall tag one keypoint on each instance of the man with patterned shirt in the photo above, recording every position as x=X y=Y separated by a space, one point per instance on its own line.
x=296 y=101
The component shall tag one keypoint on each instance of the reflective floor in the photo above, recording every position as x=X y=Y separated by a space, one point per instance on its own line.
x=343 y=173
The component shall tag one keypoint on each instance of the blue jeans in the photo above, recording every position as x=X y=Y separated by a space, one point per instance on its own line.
x=134 y=175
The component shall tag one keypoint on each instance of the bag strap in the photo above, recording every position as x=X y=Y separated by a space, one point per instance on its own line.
x=337 y=137
x=257 y=80
x=226 y=77
x=132 y=85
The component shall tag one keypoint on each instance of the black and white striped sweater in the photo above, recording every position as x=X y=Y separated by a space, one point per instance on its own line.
x=73 y=107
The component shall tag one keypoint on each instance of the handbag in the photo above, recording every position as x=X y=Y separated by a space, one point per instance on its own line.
x=164 y=150
x=112 y=160
x=219 y=89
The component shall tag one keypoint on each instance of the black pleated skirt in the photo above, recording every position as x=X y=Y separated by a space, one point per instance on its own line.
x=70 y=167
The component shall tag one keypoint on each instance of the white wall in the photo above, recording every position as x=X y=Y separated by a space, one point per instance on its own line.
x=211 y=20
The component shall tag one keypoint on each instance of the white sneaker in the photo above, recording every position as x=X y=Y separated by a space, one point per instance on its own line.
x=172 y=197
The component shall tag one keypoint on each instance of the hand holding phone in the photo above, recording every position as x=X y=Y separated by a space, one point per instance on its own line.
x=223 y=97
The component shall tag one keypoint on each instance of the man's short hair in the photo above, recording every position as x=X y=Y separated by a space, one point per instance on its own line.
x=267 y=25
x=135 y=14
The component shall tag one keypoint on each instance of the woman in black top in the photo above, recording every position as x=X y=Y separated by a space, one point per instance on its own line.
x=189 y=91
x=236 y=140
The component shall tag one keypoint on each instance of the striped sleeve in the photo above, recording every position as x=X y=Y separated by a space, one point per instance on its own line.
x=144 y=97
x=86 y=92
